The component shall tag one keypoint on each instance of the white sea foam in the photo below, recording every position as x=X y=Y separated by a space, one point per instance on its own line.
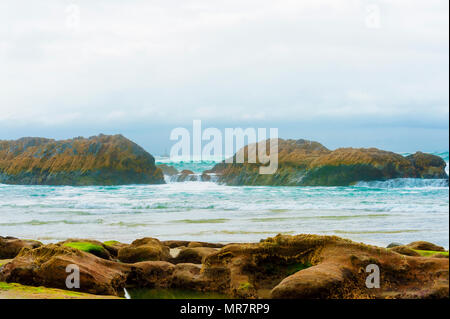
x=406 y=183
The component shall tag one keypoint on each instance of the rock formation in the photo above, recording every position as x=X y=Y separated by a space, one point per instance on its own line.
x=307 y=163
x=98 y=160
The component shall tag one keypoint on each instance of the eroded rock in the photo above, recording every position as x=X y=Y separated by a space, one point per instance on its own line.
x=194 y=255
x=424 y=245
x=11 y=246
x=144 y=249
x=309 y=163
x=46 y=266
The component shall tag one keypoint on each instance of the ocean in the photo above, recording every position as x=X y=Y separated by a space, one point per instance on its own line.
x=402 y=210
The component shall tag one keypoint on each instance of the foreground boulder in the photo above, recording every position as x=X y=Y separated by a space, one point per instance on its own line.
x=308 y=163
x=150 y=274
x=191 y=244
x=144 y=249
x=11 y=246
x=194 y=255
x=98 y=160
x=46 y=266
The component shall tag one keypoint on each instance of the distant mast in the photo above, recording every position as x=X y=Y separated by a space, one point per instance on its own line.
x=165 y=154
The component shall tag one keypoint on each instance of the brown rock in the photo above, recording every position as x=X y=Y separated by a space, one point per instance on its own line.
x=188 y=276
x=194 y=244
x=168 y=170
x=311 y=266
x=175 y=243
x=151 y=274
x=46 y=266
x=145 y=249
x=308 y=163
x=113 y=247
x=11 y=246
x=424 y=245
x=187 y=176
x=191 y=244
x=193 y=255
x=98 y=160
x=405 y=250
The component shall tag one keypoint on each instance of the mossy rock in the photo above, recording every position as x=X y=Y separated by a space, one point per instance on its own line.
x=144 y=249
x=92 y=247
x=18 y=291
x=432 y=253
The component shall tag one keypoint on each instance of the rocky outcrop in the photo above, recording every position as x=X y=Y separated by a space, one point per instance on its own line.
x=98 y=160
x=144 y=249
x=11 y=246
x=310 y=266
x=302 y=266
x=307 y=163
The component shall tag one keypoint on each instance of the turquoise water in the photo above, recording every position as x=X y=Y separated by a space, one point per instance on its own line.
x=377 y=212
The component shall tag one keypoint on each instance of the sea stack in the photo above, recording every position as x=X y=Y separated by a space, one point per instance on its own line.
x=308 y=163
x=97 y=160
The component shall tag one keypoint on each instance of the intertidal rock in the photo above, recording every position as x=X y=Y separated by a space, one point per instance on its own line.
x=94 y=247
x=167 y=169
x=150 y=274
x=46 y=266
x=113 y=247
x=189 y=276
x=98 y=160
x=187 y=176
x=424 y=245
x=144 y=249
x=11 y=246
x=405 y=250
x=302 y=266
x=307 y=163
x=311 y=266
x=191 y=244
x=194 y=255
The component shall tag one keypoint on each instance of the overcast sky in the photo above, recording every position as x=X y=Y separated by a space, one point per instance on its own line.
x=344 y=73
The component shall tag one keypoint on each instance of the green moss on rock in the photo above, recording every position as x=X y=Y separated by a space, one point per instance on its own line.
x=429 y=253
